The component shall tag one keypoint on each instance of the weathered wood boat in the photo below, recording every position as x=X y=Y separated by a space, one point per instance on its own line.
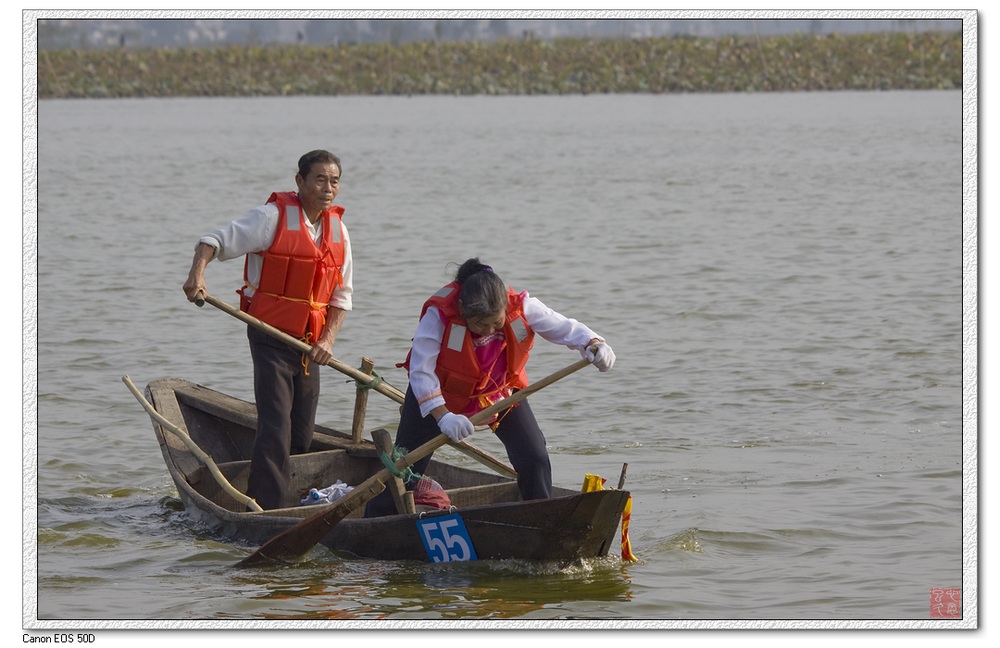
x=569 y=526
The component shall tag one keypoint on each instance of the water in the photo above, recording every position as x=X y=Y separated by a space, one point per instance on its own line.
x=780 y=276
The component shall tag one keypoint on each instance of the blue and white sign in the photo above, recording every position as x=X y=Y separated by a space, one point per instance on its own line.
x=446 y=539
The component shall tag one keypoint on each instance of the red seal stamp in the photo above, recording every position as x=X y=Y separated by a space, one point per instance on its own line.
x=946 y=603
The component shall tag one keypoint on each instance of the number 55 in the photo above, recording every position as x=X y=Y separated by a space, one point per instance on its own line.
x=446 y=539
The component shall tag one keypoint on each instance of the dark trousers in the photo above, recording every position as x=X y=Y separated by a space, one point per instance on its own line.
x=286 y=412
x=518 y=431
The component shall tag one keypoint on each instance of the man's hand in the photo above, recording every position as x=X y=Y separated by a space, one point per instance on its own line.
x=321 y=352
x=195 y=284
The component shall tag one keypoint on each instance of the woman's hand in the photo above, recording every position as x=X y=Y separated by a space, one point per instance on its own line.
x=455 y=426
x=600 y=354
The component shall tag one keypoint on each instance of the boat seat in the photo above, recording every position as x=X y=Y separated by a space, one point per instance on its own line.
x=484 y=494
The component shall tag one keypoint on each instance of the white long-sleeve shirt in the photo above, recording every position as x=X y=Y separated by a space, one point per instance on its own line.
x=544 y=321
x=254 y=232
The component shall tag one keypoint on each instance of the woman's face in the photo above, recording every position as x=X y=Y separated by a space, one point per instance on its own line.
x=487 y=324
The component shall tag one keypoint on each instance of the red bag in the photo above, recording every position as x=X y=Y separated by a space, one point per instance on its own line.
x=428 y=492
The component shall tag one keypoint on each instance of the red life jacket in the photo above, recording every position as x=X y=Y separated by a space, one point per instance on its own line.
x=297 y=277
x=462 y=380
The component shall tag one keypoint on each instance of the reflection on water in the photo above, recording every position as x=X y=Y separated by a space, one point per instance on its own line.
x=365 y=589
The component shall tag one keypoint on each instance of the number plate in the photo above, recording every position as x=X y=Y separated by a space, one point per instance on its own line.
x=446 y=539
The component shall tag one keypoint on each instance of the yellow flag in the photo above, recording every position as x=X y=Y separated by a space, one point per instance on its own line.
x=626 y=543
x=593 y=483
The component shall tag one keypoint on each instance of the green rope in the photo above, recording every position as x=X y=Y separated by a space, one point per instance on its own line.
x=390 y=463
x=371 y=384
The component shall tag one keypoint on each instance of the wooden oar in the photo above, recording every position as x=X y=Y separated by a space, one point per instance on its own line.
x=361 y=377
x=296 y=541
x=248 y=501
x=297 y=344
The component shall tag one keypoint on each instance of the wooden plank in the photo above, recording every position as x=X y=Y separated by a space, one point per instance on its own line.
x=396 y=486
x=361 y=402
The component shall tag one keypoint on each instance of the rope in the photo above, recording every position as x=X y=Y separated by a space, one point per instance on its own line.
x=390 y=463
x=305 y=356
x=371 y=384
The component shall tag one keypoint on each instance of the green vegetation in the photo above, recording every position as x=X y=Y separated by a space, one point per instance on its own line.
x=571 y=66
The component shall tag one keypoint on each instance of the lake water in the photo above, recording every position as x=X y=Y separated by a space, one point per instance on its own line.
x=780 y=275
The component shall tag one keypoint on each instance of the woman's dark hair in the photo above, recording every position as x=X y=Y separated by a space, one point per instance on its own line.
x=307 y=161
x=482 y=292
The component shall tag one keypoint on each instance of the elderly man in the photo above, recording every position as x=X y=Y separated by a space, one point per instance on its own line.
x=297 y=278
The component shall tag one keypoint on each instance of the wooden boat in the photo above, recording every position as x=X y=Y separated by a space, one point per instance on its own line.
x=569 y=526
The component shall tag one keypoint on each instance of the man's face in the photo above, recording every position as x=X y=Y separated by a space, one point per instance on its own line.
x=318 y=189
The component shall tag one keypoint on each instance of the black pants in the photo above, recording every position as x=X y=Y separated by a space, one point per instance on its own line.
x=286 y=413
x=518 y=431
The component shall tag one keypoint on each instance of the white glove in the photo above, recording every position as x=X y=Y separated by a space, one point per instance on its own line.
x=603 y=358
x=455 y=426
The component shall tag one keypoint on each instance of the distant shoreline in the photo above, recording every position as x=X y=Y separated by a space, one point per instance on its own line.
x=883 y=61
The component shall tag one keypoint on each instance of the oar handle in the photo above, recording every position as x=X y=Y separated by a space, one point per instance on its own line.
x=485 y=415
x=213 y=468
x=361 y=377
x=479 y=418
x=295 y=541
x=297 y=344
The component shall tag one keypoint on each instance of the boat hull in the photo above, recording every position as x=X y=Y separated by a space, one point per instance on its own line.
x=569 y=526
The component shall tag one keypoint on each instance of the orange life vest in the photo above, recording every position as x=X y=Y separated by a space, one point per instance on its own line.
x=297 y=277
x=462 y=380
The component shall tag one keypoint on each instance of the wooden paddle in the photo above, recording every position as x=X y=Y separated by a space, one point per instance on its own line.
x=296 y=541
x=248 y=501
x=361 y=377
x=297 y=344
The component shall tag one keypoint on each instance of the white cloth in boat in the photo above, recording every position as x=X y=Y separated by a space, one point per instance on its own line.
x=327 y=495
